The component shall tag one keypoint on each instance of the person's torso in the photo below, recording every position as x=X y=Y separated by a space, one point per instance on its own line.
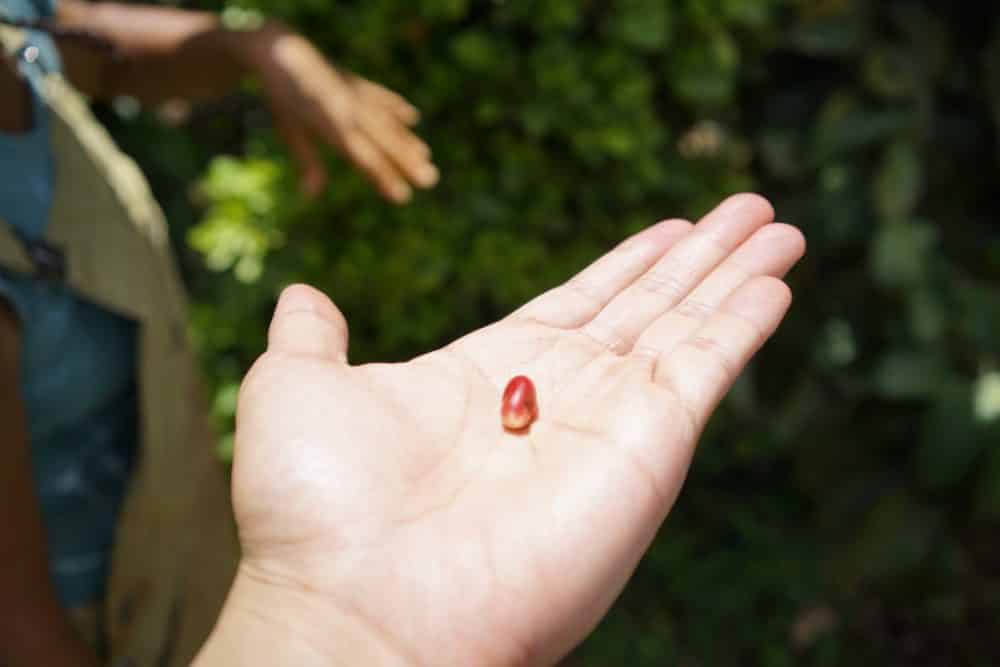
x=78 y=360
x=176 y=547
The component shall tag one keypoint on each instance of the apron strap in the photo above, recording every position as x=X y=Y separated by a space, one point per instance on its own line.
x=48 y=260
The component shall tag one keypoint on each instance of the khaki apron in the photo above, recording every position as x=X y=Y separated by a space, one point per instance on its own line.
x=176 y=548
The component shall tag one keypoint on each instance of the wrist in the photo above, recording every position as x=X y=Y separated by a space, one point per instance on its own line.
x=250 y=39
x=268 y=623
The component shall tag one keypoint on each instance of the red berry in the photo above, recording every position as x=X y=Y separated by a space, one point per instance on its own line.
x=519 y=406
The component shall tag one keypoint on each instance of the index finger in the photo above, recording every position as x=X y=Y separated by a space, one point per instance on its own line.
x=578 y=300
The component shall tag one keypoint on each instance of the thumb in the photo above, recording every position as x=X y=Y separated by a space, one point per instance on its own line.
x=307 y=324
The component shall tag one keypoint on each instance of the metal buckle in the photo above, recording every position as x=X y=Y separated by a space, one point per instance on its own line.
x=49 y=261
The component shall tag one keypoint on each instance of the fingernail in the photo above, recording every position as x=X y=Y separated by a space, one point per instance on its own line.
x=294 y=298
x=401 y=192
x=428 y=175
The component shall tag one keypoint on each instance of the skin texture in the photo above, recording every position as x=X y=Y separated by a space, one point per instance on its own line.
x=388 y=518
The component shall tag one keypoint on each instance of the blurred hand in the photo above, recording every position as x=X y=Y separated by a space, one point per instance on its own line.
x=314 y=103
x=387 y=502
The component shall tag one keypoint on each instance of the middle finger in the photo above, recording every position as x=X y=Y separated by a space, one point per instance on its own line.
x=619 y=324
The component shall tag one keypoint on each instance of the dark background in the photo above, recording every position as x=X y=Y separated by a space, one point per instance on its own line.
x=845 y=504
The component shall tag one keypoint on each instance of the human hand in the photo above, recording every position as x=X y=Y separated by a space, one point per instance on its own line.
x=383 y=510
x=315 y=103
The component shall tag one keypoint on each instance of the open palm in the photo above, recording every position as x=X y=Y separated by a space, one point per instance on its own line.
x=392 y=493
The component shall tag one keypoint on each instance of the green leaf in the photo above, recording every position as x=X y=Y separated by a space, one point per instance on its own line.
x=845 y=126
x=837 y=35
x=642 y=24
x=987 y=500
x=896 y=537
x=909 y=374
x=901 y=253
x=950 y=441
x=893 y=72
x=474 y=50
x=899 y=182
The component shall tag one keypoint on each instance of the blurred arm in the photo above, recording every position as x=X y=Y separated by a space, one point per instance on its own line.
x=160 y=53
x=33 y=628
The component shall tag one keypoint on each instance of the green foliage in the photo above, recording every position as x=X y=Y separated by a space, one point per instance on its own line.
x=845 y=503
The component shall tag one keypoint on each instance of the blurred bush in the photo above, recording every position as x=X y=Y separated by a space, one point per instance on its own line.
x=845 y=505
